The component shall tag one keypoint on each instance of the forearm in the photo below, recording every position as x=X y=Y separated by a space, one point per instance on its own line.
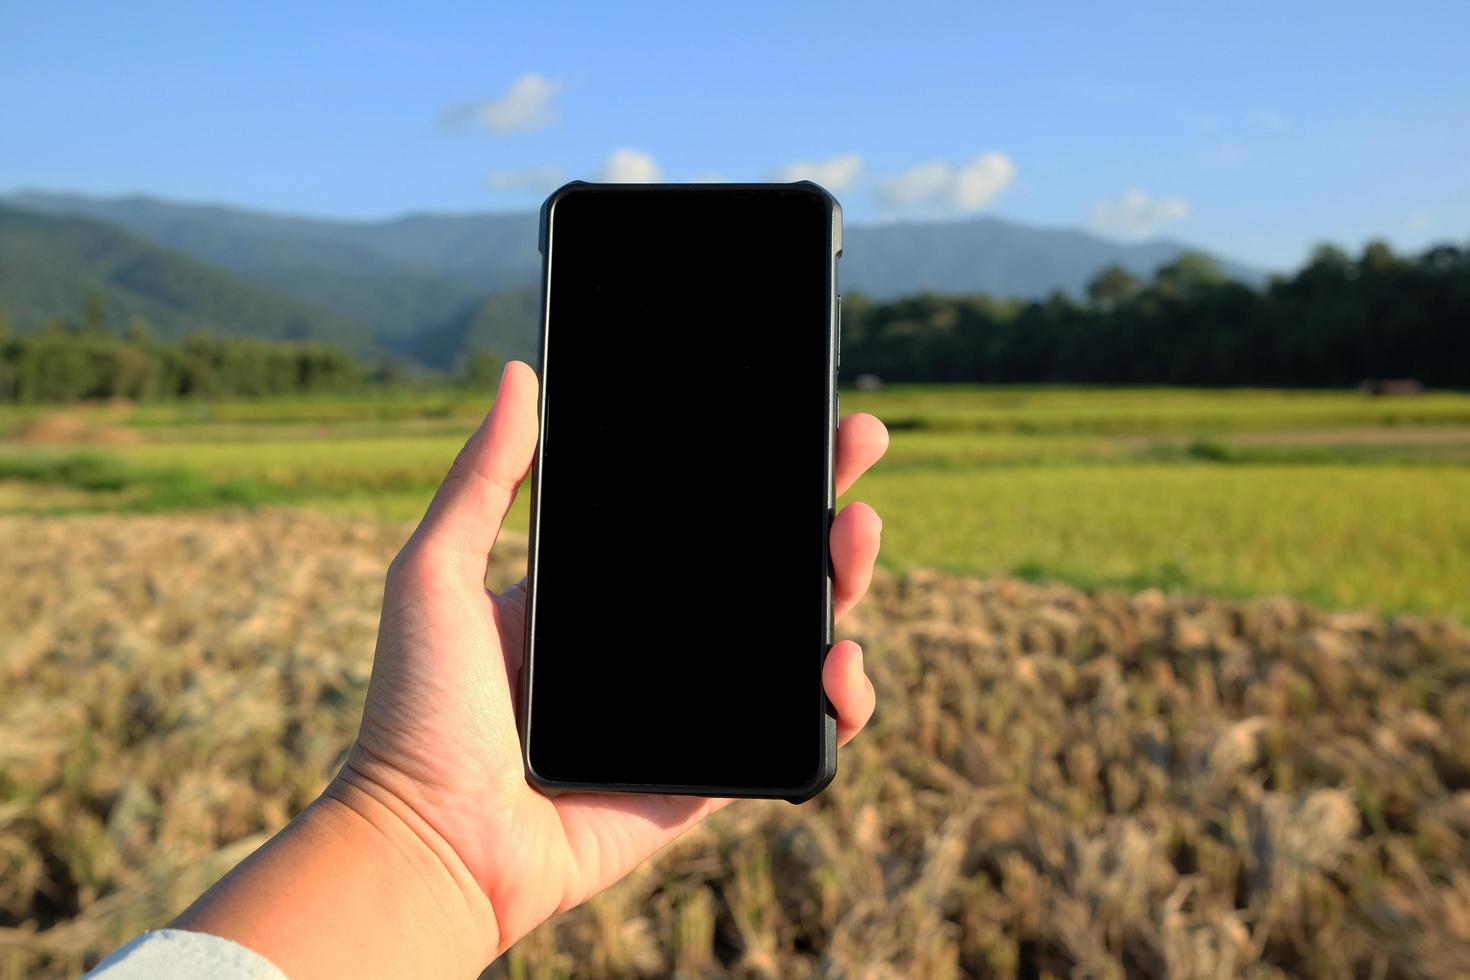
x=356 y=885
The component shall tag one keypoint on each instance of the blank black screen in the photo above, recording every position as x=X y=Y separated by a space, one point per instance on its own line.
x=679 y=571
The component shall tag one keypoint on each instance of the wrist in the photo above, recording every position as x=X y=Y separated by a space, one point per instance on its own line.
x=356 y=885
x=393 y=829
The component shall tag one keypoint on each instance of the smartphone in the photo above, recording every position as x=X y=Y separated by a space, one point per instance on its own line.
x=679 y=595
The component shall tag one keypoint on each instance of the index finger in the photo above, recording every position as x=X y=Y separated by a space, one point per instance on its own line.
x=861 y=441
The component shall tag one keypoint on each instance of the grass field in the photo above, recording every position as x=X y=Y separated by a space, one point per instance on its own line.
x=1337 y=498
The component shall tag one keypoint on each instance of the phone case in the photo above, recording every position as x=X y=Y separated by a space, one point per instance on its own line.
x=827 y=768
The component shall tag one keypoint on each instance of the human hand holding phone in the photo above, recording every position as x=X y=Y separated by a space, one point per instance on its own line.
x=430 y=854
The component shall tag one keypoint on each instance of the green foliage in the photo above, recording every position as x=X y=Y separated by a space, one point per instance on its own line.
x=480 y=370
x=138 y=487
x=94 y=314
x=401 y=280
x=504 y=322
x=409 y=278
x=1210 y=450
x=1112 y=286
x=416 y=286
x=66 y=366
x=1335 y=323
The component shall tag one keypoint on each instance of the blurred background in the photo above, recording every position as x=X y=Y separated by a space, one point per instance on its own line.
x=1168 y=313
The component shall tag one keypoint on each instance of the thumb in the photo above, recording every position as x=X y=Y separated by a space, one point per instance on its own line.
x=465 y=517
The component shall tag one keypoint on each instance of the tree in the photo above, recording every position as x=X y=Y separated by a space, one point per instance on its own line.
x=1187 y=274
x=1329 y=256
x=1112 y=286
x=1336 y=321
x=1378 y=257
x=480 y=370
x=7 y=358
x=139 y=333
x=94 y=314
x=61 y=365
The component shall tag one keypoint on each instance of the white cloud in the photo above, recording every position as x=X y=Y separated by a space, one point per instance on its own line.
x=941 y=184
x=630 y=166
x=1137 y=214
x=981 y=179
x=1421 y=221
x=538 y=180
x=833 y=173
x=526 y=105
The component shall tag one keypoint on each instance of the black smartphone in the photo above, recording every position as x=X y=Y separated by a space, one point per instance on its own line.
x=679 y=592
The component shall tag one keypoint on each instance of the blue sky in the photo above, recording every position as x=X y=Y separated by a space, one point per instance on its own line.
x=1252 y=129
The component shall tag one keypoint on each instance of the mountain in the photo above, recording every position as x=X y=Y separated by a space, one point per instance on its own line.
x=990 y=255
x=50 y=266
x=400 y=278
x=431 y=286
x=504 y=322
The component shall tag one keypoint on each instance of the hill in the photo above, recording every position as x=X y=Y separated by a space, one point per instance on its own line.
x=402 y=278
x=419 y=281
x=997 y=257
x=504 y=322
x=51 y=265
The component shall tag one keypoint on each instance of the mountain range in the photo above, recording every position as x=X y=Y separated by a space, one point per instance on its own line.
x=429 y=287
x=54 y=266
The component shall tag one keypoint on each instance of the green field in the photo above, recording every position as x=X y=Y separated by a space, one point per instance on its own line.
x=1338 y=498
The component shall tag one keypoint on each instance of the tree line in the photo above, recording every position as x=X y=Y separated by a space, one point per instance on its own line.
x=1338 y=321
x=82 y=360
x=72 y=362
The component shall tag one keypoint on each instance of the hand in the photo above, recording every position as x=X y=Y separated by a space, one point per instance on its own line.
x=437 y=768
x=439 y=729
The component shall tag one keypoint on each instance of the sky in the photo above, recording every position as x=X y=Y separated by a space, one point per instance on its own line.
x=1255 y=130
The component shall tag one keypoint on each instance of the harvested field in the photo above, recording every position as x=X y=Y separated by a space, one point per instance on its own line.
x=1055 y=781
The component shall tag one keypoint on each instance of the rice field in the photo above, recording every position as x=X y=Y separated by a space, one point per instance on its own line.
x=1337 y=498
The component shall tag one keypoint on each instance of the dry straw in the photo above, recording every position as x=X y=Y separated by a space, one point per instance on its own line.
x=1056 y=783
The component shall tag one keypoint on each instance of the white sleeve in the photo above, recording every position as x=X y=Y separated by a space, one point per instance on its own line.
x=168 y=954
